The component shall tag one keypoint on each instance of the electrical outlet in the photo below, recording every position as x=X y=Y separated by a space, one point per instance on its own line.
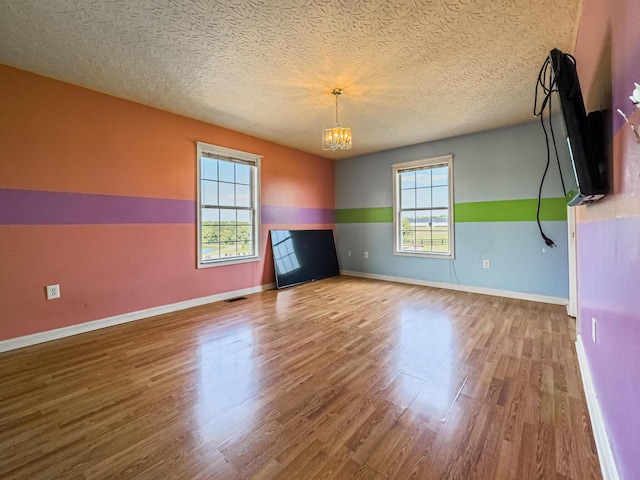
x=593 y=330
x=486 y=263
x=348 y=253
x=366 y=254
x=53 y=291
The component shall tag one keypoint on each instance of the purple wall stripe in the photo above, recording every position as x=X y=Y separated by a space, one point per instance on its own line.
x=31 y=207
x=272 y=214
x=35 y=207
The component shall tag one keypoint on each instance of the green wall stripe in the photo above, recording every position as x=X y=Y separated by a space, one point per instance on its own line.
x=552 y=209
x=364 y=215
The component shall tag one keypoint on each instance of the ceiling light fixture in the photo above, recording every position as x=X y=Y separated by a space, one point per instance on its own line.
x=336 y=136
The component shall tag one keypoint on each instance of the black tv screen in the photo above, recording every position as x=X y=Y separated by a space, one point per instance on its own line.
x=301 y=256
x=584 y=170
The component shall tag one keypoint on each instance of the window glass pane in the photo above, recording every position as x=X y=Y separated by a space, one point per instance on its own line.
x=227 y=233
x=423 y=197
x=244 y=248
x=440 y=237
x=210 y=234
x=227 y=172
x=227 y=195
x=423 y=240
x=407 y=180
x=243 y=232
x=440 y=241
x=209 y=168
x=440 y=196
x=211 y=215
x=228 y=249
x=440 y=232
x=244 y=216
x=243 y=174
x=210 y=252
x=423 y=230
x=209 y=193
x=227 y=215
x=423 y=218
x=243 y=196
x=440 y=176
x=423 y=178
x=408 y=220
x=408 y=240
x=440 y=217
x=408 y=199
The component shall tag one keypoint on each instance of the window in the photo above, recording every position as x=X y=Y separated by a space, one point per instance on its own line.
x=423 y=208
x=228 y=199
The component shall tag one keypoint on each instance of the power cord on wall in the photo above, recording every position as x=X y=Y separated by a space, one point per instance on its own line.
x=547 y=81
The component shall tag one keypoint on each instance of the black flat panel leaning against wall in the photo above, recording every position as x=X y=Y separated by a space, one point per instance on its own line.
x=301 y=256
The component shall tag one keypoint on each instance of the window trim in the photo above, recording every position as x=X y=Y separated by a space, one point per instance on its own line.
x=228 y=154
x=397 y=233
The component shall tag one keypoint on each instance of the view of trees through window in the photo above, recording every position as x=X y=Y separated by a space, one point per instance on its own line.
x=426 y=233
x=225 y=239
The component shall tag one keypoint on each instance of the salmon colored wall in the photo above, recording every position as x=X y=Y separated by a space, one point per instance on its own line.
x=65 y=150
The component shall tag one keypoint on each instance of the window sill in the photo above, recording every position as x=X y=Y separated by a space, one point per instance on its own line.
x=223 y=263
x=446 y=256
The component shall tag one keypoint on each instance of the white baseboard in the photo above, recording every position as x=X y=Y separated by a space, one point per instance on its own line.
x=41 y=337
x=607 y=462
x=463 y=288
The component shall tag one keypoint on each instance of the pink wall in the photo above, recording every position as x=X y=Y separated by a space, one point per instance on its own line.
x=608 y=232
x=98 y=194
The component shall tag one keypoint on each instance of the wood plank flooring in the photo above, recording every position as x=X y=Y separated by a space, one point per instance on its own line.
x=338 y=379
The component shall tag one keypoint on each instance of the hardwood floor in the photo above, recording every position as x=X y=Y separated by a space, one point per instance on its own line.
x=339 y=379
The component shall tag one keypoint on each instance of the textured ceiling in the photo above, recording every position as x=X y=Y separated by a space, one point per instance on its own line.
x=412 y=70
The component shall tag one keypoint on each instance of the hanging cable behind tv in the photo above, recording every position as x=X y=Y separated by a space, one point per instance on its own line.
x=582 y=170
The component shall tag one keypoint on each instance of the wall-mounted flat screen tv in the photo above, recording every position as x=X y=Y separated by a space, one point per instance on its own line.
x=301 y=256
x=584 y=173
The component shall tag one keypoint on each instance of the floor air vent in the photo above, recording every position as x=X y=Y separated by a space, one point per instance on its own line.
x=231 y=300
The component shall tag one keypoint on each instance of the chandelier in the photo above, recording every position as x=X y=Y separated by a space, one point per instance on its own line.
x=336 y=136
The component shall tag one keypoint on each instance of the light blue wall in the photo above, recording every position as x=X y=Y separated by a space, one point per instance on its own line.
x=502 y=164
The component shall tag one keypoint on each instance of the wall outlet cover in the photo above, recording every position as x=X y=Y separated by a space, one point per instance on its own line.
x=53 y=291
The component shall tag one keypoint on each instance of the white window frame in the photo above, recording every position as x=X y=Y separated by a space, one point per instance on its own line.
x=236 y=156
x=398 y=168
